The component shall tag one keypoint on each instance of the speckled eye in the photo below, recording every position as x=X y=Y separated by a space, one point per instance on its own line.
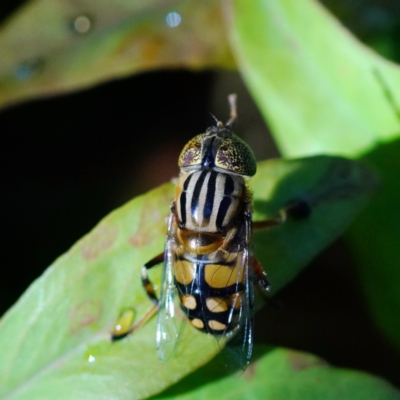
x=236 y=156
x=191 y=153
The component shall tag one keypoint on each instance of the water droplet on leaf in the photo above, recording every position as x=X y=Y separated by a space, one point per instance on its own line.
x=28 y=69
x=173 y=19
x=81 y=24
x=123 y=325
x=91 y=358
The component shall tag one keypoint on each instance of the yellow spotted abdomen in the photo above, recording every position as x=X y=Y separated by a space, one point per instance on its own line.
x=211 y=292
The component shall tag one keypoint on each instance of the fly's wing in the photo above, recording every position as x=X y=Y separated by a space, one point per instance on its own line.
x=167 y=330
x=237 y=353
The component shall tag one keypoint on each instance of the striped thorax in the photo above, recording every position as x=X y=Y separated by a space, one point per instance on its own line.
x=209 y=201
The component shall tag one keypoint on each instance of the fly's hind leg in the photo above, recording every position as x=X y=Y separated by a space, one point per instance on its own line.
x=118 y=334
x=260 y=276
x=263 y=286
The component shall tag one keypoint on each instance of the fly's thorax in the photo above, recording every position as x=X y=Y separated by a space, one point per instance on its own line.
x=209 y=201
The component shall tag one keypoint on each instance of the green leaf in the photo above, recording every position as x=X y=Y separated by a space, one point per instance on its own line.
x=322 y=91
x=45 y=49
x=374 y=241
x=336 y=189
x=318 y=87
x=281 y=374
x=57 y=335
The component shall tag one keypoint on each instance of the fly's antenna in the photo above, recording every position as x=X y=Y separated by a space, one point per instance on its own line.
x=233 y=110
x=219 y=123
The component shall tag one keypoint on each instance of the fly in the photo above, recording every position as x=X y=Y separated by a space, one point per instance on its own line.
x=208 y=260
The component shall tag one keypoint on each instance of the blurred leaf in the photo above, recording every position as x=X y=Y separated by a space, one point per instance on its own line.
x=375 y=241
x=281 y=374
x=324 y=92
x=318 y=87
x=57 y=335
x=46 y=49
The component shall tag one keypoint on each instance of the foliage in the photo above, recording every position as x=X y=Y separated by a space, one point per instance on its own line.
x=320 y=90
x=58 y=334
x=342 y=104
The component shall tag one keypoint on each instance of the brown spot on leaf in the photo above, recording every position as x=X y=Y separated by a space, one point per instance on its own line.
x=84 y=314
x=153 y=218
x=299 y=361
x=99 y=240
x=250 y=371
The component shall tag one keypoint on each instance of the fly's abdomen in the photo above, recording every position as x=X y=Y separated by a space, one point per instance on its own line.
x=208 y=201
x=211 y=294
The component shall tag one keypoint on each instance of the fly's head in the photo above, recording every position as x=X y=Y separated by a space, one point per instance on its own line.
x=219 y=149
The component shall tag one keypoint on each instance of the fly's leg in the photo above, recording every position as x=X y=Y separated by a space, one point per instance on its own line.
x=268 y=223
x=148 y=287
x=297 y=209
x=260 y=276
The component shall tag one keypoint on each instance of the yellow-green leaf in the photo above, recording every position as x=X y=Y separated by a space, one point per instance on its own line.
x=55 y=341
x=282 y=374
x=319 y=88
x=52 y=46
x=322 y=91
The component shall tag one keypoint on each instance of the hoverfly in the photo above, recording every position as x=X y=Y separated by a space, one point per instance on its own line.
x=208 y=262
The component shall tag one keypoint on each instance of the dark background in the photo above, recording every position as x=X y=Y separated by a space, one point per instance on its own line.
x=68 y=161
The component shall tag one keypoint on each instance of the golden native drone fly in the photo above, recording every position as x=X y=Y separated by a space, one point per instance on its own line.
x=208 y=262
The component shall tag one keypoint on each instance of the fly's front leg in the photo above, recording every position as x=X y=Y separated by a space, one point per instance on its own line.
x=119 y=331
x=297 y=209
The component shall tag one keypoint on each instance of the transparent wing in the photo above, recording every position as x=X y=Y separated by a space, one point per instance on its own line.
x=237 y=353
x=167 y=331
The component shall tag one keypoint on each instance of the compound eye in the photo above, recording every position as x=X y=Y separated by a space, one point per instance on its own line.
x=236 y=156
x=191 y=153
